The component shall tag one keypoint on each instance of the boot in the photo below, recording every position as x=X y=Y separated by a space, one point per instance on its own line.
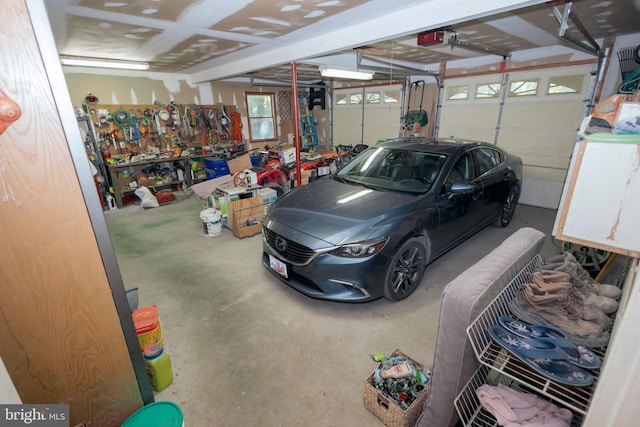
x=607 y=305
x=586 y=310
x=581 y=278
x=555 y=308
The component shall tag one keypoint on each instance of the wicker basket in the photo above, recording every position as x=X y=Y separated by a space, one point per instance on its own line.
x=387 y=410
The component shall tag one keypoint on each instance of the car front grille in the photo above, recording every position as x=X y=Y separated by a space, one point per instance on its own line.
x=294 y=253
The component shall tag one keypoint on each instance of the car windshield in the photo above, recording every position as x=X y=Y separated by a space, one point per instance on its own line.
x=393 y=169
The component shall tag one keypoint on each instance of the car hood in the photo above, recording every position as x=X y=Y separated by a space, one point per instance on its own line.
x=338 y=212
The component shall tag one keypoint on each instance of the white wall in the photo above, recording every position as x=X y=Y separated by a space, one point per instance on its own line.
x=8 y=393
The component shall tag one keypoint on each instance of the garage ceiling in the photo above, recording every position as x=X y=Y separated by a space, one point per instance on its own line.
x=218 y=39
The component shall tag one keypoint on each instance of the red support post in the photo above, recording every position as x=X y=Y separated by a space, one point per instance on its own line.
x=296 y=121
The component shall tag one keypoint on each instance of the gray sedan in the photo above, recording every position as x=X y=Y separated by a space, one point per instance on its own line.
x=370 y=230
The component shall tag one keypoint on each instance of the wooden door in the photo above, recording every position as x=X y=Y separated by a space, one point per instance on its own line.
x=63 y=339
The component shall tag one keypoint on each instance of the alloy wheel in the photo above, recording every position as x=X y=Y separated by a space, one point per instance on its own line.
x=406 y=271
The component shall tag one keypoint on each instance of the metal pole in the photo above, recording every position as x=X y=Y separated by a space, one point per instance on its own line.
x=503 y=98
x=296 y=121
x=362 y=121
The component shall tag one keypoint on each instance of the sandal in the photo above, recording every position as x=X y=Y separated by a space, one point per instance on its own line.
x=542 y=356
x=577 y=354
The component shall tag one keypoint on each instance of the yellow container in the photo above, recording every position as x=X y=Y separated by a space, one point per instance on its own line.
x=148 y=326
x=158 y=366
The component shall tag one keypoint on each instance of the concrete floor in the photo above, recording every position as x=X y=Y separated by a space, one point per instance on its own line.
x=248 y=350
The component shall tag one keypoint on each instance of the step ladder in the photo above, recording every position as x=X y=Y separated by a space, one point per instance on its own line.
x=308 y=132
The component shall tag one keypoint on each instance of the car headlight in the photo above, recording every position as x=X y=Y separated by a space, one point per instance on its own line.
x=361 y=249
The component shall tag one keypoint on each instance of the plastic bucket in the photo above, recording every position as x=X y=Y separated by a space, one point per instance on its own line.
x=156 y=414
x=211 y=221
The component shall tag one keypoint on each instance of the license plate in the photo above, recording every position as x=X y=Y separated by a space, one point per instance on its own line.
x=278 y=266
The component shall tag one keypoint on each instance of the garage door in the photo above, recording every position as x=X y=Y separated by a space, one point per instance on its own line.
x=534 y=115
x=366 y=115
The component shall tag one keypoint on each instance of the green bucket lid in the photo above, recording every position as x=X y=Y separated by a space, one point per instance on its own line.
x=631 y=138
x=157 y=414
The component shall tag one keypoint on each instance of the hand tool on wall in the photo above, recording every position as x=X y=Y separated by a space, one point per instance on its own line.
x=175 y=116
x=224 y=123
x=215 y=134
x=136 y=129
x=186 y=129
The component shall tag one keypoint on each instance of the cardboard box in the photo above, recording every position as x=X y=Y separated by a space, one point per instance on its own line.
x=386 y=409
x=305 y=177
x=287 y=156
x=246 y=216
x=240 y=163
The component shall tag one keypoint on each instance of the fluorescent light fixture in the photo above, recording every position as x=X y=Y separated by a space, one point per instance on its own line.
x=340 y=73
x=104 y=63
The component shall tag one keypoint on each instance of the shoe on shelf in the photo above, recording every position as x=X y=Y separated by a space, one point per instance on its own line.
x=555 y=308
x=589 y=298
x=541 y=356
x=587 y=310
x=581 y=278
x=577 y=354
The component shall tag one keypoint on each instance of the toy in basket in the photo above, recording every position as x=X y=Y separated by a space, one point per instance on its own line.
x=397 y=390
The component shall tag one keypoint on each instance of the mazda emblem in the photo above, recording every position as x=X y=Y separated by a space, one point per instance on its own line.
x=281 y=244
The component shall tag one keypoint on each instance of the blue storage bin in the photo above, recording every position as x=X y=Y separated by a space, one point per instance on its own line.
x=217 y=167
x=255 y=160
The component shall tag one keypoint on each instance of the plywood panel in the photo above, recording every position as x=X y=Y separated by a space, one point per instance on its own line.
x=608 y=173
x=61 y=336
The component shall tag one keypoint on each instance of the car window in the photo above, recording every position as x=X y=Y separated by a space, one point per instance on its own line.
x=462 y=171
x=487 y=159
x=394 y=169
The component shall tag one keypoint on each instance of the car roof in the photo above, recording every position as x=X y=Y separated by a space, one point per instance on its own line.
x=445 y=146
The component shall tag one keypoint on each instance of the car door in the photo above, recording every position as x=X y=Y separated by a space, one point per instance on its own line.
x=494 y=178
x=459 y=203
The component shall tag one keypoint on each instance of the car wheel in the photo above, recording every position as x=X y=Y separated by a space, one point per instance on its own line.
x=405 y=270
x=508 y=208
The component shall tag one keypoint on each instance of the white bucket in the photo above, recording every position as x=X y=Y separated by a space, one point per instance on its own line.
x=211 y=221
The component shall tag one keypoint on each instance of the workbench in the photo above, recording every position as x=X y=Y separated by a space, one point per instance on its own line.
x=180 y=175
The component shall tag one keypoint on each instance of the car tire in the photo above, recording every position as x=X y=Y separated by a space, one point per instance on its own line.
x=508 y=208
x=405 y=270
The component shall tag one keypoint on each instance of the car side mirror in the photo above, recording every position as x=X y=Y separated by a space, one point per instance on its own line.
x=464 y=187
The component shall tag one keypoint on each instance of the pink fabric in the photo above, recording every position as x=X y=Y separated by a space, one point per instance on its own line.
x=515 y=409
